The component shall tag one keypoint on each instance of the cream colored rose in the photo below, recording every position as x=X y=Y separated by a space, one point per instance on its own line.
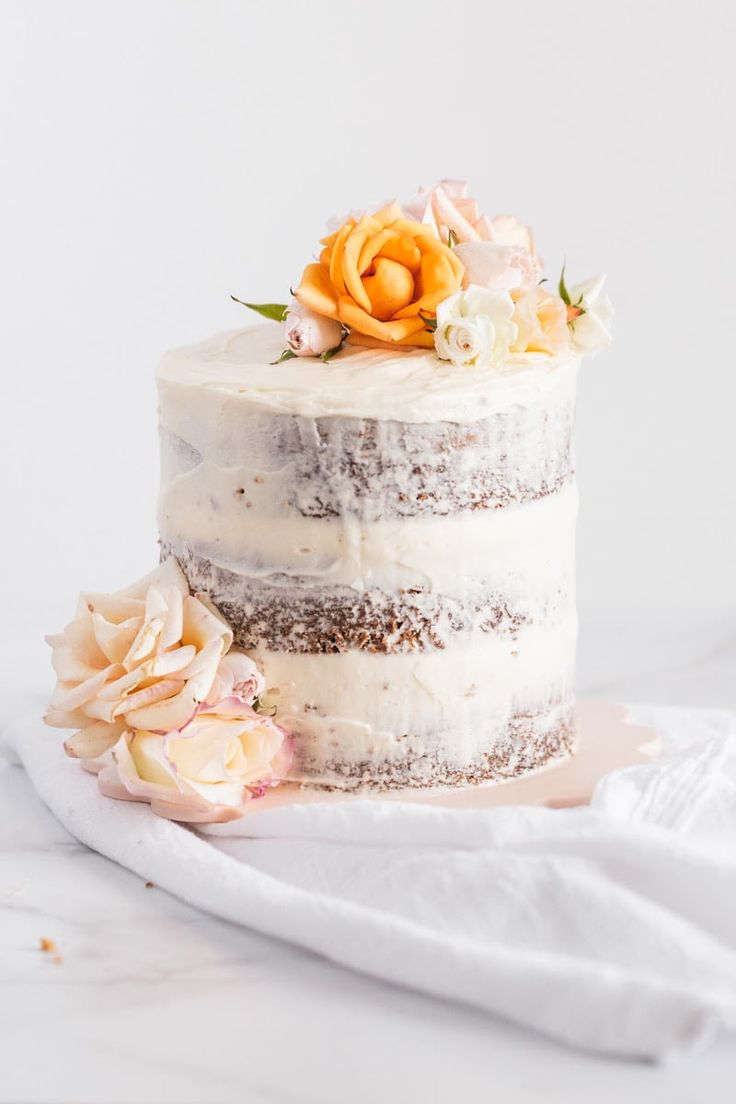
x=474 y=327
x=541 y=321
x=145 y=658
x=507 y=230
x=207 y=771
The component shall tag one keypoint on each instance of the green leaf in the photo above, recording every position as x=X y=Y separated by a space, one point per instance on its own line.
x=286 y=355
x=275 y=311
x=430 y=320
x=564 y=293
x=328 y=354
x=452 y=239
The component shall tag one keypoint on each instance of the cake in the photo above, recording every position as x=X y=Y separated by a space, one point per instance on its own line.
x=393 y=540
x=367 y=527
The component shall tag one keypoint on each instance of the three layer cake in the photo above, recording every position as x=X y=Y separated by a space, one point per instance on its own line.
x=392 y=537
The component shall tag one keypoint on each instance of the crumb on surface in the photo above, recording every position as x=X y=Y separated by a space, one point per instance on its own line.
x=149 y=885
x=47 y=945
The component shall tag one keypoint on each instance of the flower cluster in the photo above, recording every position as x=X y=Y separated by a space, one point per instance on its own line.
x=166 y=711
x=435 y=271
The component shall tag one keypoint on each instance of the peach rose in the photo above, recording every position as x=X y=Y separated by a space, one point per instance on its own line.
x=382 y=276
x=541 y=322
x=206 y=771
x=145 y=657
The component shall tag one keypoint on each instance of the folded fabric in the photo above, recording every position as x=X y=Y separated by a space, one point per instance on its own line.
x=610 y=927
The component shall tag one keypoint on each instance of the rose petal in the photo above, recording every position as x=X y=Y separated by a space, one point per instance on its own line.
x=147 y=695
x=114 y=640
x=68 y=697
x=95 y=740
x=203 y=624
x=447 y=214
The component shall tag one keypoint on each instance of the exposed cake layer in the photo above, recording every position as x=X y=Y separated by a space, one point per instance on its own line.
x=526 y=743
x=324 y=619
x=379 y=470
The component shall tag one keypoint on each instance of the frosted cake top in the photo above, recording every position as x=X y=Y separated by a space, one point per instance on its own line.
x=409 y=385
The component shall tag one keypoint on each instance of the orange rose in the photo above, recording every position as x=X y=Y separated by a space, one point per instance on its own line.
x=382 y=276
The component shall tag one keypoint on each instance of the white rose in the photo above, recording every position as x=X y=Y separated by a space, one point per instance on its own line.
x=310 y=334
x=474 y=327
x=590 y=315
x=498 y=267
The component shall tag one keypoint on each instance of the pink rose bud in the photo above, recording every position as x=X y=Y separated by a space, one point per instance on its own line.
x=310 y=334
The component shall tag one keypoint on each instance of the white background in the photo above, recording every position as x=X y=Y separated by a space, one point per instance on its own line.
x=159 y=155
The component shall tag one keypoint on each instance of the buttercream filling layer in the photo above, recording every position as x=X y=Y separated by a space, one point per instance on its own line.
x=520 y=549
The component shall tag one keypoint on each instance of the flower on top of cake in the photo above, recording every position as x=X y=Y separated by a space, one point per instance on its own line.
x=166 y=711
x=435 y=272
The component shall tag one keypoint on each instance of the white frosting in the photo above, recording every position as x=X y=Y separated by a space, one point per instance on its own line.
x=409 y=386
x=529 y=546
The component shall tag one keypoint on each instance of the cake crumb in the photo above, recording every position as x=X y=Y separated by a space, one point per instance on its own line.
x=57 y=960
x=149 y=885
x=47 y=945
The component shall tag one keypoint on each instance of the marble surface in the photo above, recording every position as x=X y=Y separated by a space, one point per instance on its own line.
x=153 y=1001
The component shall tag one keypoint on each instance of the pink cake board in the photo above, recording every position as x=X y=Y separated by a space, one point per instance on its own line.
x=607 y=740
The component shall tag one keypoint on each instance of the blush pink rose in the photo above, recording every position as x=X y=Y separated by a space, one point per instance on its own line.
x=497 y=267
x=498 y=253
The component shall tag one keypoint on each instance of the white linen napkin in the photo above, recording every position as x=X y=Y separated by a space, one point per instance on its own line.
x=610 y=927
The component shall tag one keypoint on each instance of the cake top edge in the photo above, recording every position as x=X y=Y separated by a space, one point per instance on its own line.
x=411 y=385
